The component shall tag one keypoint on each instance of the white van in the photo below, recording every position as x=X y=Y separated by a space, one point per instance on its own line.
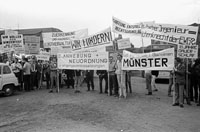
x=8 y=80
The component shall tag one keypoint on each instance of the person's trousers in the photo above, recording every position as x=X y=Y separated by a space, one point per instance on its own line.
x=78 y=80
x=179 y=91
x=193 y=89
x=53 y=76
x=48 y=80
x=128 y=83
x=148 y=82
x=105 y=78
x=27 y=82
x=113 y=84
x=170 y=86
x=33 y=80
x=90 y=82
x=153 y=82
x=121 y=82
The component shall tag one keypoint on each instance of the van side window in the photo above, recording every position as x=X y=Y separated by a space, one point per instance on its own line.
x=6 y=70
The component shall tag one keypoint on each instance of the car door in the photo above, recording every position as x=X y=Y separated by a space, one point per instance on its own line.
x=1 y=78
x=6 y=75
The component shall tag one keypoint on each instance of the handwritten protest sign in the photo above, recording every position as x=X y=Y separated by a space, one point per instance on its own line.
x=161 y=60
x=12 y=42
x=101 y=38
x=32 y=45
x=187 y=51
x=122 y=27
x=83 y=60
x=176 y=34
x=62 y=38
x=124 y=43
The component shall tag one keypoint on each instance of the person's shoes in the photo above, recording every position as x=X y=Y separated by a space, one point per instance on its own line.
x=88 y=90
x=105 y=92
x=181 y=105
x=100 y=92
x=155 y=90
x=198 y=104
x=188 y=103
x=51 y=91
x=175 y=104
x=150 y=93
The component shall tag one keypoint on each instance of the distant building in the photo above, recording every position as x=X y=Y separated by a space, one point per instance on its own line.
x=34 y=32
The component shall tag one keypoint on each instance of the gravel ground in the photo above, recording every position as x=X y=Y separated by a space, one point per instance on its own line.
x=40 y=111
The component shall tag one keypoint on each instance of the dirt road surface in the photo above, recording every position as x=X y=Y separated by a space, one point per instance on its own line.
x=40 y=111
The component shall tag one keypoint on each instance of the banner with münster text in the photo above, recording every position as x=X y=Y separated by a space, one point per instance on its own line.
x=161 y=60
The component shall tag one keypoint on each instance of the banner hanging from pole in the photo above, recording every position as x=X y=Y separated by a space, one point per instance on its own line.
x=161 y=60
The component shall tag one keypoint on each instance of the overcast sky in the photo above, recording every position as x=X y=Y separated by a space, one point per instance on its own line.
x=96 y=15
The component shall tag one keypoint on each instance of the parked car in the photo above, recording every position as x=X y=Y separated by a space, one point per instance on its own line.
x=8 y=80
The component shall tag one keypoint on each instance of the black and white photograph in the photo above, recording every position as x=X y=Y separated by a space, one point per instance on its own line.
x=99 y=65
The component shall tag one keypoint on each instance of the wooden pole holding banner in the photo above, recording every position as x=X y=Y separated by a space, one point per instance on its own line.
x=187 y=81
x=58 y=89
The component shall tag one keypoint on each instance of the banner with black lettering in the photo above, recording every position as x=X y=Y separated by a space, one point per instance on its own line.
x=161 y=60
x=122 y=27
x=187 y=51
x=32 y=45
x=12 y=42
x=176 y=34
x=102 y=38
x=83 y=60
x=62 y=38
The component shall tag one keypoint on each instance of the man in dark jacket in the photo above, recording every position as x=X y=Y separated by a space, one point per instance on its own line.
x=180 y=72
x=103 y=75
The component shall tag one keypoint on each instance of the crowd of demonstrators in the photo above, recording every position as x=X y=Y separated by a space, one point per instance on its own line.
x=30 y=74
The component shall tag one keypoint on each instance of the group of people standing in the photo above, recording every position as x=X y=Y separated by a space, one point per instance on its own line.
x=184 y=81
x=28 y=73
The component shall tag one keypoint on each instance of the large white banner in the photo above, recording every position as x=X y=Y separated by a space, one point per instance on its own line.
x=187 y=51
x=101 y=38
x=62 y=38
x=176 y=34
x=83 y=60
x=122 y=27
x=161 y=60
x=12 y=42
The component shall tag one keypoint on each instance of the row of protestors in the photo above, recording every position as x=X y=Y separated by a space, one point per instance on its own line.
x=31 y=72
